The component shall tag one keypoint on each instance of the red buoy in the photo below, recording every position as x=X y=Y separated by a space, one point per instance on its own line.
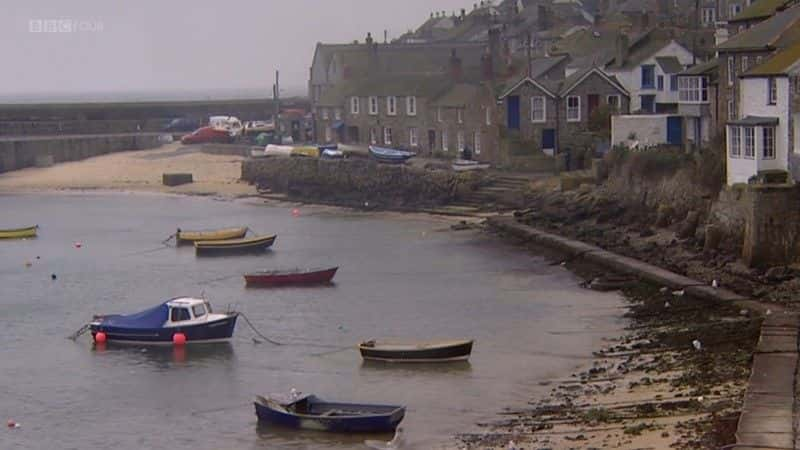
x=11 y=424
x=178 y=338
x=78 y=245
x=100 y=337
x=295 y=212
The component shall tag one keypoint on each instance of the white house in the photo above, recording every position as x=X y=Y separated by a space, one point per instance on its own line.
x=649 y=70
x=767 y=135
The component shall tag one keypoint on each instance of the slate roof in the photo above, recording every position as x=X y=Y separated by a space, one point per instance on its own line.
x=760 y=9
x=541 y=66
x=778 y=31
x=755 y=121
x=707 y=68
x=669 y=64
x=460 y=94
x=576 y=78
x=777 y=64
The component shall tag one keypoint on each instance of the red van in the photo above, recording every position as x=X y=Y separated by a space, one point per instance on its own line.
x=207 y=134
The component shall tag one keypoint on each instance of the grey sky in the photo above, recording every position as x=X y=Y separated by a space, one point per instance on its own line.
x=167 y=45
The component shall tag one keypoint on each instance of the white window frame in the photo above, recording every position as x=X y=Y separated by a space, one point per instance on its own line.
x=749 y=142
x=575 y=110
x=768 y=143
x=731 y=70
x=460 y=143
x=387 y=135
x=476 y=142
x=772 y=91
x=731 y=109
x=337 y=114
x=411 y=105
x=488 y=116
x=543 y=110
x=616 y=103
x=355 y=105
x=439 y=114
x=693 y=89
x=445 y=143
x=413 y=139
x=745 y=63
x=391 y=105
x=736 y=142
x=460 y=115
x=373 y=136
x=734 y=10
x=373 y=106
x=709 y=16
x=325 y=113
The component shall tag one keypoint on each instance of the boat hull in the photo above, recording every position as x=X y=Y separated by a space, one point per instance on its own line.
x=371 y=423
x=19 y=233
x=190 y=237
x=446 y=353
x=235 y=246
x=213 y=331
x=285 y=279
x=390 y=156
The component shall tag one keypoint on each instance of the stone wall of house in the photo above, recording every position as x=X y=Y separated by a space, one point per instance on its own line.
x=359 y=182
x=530 y=132
x=400 y=123
x=772 y=227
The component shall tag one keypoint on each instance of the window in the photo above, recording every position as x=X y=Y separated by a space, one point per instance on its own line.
x=758 y=59
x=412 y=137
x=391 y=105
x=660 y=79
x=731 y=109
x=354 y=105
x=749 y=142
x=373 y=136
x=693 y=89
x=373 y=106
x=460 y=141
x=460 y=115
x=673 y=82
x=327 y=134
x=411 y=106
x=731 y=70
x=736 y=142
x=199 y=310
x=768 y=143
x=573 y=108
x=772 y=91
x=734 y=10
x=648 y=76
x=337 y=114
x=439 y=114
x=180 y=314
x=476 y=138
x=445 y=144
x=488 y=116
x=387 y=136
x=708 y=16
x=537 y=109
x=745 y=63
x=324 y=113
x=613 y=102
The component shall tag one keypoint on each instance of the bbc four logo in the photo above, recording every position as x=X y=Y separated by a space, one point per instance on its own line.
x=64 y=26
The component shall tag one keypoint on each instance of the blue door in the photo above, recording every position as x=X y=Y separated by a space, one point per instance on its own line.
x=513 y=112
x=675 y=130
x=548 y=138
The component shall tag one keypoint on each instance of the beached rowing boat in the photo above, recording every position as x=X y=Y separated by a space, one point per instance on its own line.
x=434 y=351
x=247 y=245
x=287 y=277
x=19 y=233
x=189 y=237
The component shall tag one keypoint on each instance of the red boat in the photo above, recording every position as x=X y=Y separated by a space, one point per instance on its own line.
x=290 y=277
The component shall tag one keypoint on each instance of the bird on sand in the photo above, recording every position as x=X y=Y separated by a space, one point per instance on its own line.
x=714 y=284
x=396 y=442
x=697 y=345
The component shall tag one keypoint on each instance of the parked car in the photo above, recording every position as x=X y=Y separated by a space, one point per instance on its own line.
x=230 y=124
x=182 y=124
x=207 y=134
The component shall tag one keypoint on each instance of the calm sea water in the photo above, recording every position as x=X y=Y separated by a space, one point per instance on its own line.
x=399 y=277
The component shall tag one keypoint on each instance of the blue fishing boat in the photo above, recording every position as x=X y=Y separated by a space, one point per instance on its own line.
x=390 y=155
x=191 y=318
x=310 y=413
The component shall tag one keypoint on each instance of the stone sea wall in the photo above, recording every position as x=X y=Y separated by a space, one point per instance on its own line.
x=26 y=152
x=359 y=182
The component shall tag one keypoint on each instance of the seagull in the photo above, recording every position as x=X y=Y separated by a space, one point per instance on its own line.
x=396 y=442
x=666 y=305
x=697 y=345
x=769 y=311
x=714 y=284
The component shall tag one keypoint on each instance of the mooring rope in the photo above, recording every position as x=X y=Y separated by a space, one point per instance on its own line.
x=258 y=333
x=82 y=330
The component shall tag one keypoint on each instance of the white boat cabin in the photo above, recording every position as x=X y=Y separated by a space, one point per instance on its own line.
x=190 y=311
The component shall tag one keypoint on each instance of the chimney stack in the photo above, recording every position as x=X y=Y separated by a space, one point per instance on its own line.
x=622 y=48
x=456 y=71
x=368 y=40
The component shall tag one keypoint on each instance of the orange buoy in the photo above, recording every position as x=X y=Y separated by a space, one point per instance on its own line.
x=178 y=338
x=100 y=337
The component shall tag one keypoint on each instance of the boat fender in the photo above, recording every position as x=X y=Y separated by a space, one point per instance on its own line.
x=100 y=337
x=179 y=339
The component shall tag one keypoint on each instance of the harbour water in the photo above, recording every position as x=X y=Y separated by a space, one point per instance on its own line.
x=400 y=276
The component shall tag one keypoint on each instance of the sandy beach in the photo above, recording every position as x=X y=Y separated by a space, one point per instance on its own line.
x=137 y=171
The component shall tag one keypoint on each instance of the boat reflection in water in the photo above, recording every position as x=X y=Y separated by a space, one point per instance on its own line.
x=281 y=437
x=162 y=357
x=416 y=368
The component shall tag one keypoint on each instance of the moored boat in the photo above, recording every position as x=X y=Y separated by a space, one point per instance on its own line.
x=291 y=277
x=306 y=151
x=189 y=237
x=311 y=413
x=245 y=245
x=433 y=351
x=191 y=318
x=389 y=155
x=19 y=233
x=332 y=154
x=462 y=165
x=278 y=150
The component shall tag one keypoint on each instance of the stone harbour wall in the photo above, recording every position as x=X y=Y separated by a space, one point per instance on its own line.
x=354 y=182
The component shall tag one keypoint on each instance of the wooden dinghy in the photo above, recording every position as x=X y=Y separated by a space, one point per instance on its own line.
x=19 y=233
x=291 y=277
x=311 y=413
x=254 y=244
x=189 y=237
x=433 y=351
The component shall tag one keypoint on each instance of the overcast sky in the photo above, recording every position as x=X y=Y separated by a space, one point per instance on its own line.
x=170 y=45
